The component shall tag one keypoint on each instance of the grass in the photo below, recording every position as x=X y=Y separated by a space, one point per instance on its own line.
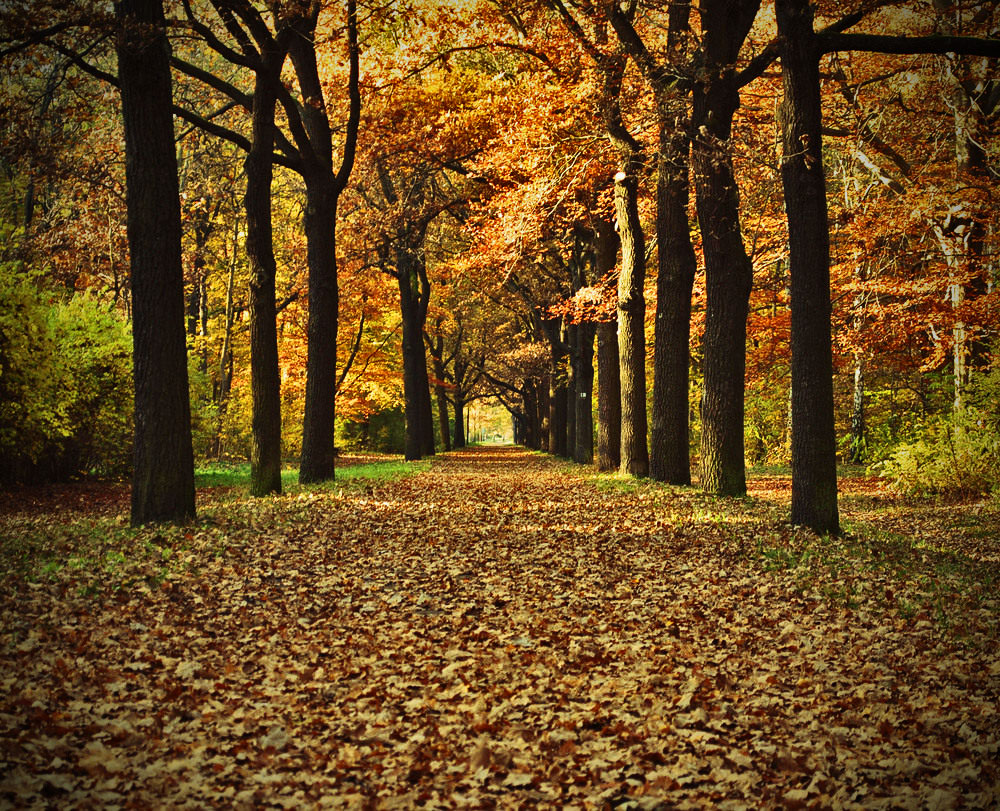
x=114 y=555
x=349 y=477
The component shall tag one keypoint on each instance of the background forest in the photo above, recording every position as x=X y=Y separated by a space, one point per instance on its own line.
x=506 y=189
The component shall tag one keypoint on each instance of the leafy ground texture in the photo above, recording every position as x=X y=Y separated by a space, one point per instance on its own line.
x=502 y=630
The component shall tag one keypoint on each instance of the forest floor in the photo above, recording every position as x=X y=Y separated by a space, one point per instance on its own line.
x=500 y=630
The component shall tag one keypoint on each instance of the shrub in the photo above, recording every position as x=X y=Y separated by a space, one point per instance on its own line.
x=65 y=384
x=957 y=454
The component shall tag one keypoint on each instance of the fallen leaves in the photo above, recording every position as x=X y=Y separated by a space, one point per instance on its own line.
x=437 y=643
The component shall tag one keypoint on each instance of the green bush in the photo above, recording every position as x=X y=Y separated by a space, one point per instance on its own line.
x=957 y=454
x=383 y=431
x=65 y=384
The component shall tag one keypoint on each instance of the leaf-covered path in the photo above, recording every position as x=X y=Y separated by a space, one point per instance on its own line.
x=498 y=631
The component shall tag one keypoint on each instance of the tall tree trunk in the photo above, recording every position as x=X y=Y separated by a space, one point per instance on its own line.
x=265 y=377
x=571 y=334
x=530 y=414
x=318 y=461
x=323 y=189
x=460 y=440
x=670 y=458
x=163 y=475
x=631 y=322
x=437 y=355
x=557 y=388
x=609 y=398
x=416 y=391
x=728 y=271
x=584 y=448
x=543 y=413
x=814 y=447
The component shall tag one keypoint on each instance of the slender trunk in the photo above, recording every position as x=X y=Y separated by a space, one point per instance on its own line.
x=530 y=411
x=459 y=421
x=631 y=323
x=571 y=333
x=814 y=447
x=557 y=389
x=318 y=461
x=414 y=359
x=442 y=398
x=728 y=278
x=163 y=475
x=670 y=442
x=584 y=448
x=543 y=413
x=609 y=402
x=858 y=444
x=323 y=188
x=265 y=378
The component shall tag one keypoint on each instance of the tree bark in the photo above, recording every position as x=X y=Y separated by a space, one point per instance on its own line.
x=557 y=387
x=323 y=189
x=570 y=336
x=318 y=461
x=728 y=271
x=609 y=402
x=460 y=440
x=265 y=377
x=163 y=476
x=437 y=360
x=584 y=446
x=414 y=295
x=631 y=322
x=670 y=457
x=814 y=448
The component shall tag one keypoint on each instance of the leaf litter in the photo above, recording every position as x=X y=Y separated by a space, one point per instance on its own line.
x=501 y=631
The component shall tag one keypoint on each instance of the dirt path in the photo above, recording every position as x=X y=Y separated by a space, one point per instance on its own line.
x=495 y=632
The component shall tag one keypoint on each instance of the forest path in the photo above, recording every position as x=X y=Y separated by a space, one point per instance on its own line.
x=497 y=631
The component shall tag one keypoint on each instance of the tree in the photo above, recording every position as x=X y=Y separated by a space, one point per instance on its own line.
x=814 y=475
x=163 y=477
x=323 y=189
x=814 y=450
x=676 y=264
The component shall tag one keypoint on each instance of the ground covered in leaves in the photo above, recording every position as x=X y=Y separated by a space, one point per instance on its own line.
x=502 y=630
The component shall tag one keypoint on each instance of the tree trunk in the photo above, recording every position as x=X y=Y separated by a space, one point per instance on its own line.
x=609 y=402
x=442 y=403
x=543 y=414
x=557 y=388
x=858 y=444
x=416 y=391
x=814 y=449
x=571 y=333
x=631 y=323
x=163 y=476
x=318 y=461
x=530 y=406
x=670 y=442
x=584 y=446
x=265 y=377
x=728 y=279
x=323 y=189
x=459 y=422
